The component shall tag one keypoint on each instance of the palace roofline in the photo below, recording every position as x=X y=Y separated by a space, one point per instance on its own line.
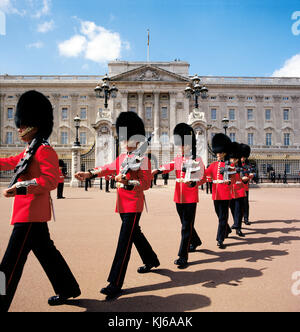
x=209 y=80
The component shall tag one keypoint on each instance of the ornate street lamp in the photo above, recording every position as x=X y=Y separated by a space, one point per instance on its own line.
x=77 y=126
x=225 y=122
x=104 y=90
x=195 y=90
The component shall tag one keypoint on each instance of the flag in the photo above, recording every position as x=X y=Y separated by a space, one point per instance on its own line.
x=148 y=37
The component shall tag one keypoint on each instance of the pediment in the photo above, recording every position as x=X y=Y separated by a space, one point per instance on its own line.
x=149 y=73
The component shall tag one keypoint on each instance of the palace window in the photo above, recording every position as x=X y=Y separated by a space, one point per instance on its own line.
x=250 y=138
x=286 y=114
x=232 y=137
x=64 y=138
x=164 y=139
x=164 y=112
x=82 y=138
x=9 y=139
x=250 y=114
x=232 y=114
x=249 y=98
x=148 y=113
x=132 y=109
x=10 y=113
x=286 y=139
x=268 y=139
x=268 y=114
x=213 y=114
x=64 y=113
x=83 y=113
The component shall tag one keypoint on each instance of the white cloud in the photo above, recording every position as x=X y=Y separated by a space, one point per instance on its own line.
x=44 y=10
x=72 y=47
x=37 y=45
x=291 y=68
x=46 y=26
x=8 y=7
x=95 y=43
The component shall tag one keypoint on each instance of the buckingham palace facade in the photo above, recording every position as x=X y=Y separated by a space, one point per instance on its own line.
x=262 y=112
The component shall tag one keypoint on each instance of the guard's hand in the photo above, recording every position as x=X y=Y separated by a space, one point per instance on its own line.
x=10 y=192
x=82 y=176
x=119 y=178
x=245 y=179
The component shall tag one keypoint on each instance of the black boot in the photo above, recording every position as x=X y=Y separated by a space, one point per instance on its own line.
x=147 y=267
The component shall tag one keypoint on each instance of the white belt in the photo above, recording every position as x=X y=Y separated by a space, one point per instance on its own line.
x=218 y=181
x=238 y=182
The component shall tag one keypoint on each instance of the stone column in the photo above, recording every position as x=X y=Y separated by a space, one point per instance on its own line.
x=75 y=165
x=172 y=112
x=124 y=96
x=156 y=118
x=57 y=118
x=140 y=104
x=2 y=96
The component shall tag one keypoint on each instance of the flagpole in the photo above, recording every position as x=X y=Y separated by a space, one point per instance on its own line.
x=148 y=48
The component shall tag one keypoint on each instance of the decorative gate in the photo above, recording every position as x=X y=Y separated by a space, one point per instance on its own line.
x=87 y=160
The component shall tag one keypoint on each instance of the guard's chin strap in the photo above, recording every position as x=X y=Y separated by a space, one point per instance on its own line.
x=26 y=131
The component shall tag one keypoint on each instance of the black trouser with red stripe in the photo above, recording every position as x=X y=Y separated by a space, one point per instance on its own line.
x=35 y=236
x=237 y=211
x=246 y=207
x=187 y=214
x=130 y=233
x=222 y=211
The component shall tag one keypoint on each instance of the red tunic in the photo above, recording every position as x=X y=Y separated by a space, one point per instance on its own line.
x=246 y=185
x=237 y=187
x=35 y=206
x=220 y=191
x=183 y=192
x=61 y=177
x=129 y=201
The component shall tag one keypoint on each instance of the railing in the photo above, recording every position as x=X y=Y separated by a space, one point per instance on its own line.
x=251 y=80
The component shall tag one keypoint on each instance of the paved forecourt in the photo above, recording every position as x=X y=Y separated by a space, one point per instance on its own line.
x=257 y=273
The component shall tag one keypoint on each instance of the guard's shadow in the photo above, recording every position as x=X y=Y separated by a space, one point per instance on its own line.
x=211 y=278
x=146 y=303
x=248 y=255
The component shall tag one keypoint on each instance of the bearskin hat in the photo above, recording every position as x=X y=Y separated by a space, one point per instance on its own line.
x=235 y=150
x=245 y=150
x=221 y=143
x=129 y=124
x=35 y=110
x=182 y=132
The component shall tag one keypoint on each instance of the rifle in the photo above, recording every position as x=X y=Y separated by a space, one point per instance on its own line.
x=25 y=161
x=227 y=171
x=193 y=170
x=134 y=162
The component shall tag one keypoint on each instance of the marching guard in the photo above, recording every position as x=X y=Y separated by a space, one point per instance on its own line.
x=237 y=190
x=130 y=202
x=247 y=176
x=186 y=194
x=221 y=174
x=37 y=174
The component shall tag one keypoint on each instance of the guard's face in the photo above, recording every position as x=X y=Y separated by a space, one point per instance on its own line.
x=243 y=159
x=131 y=145
x=234 y=160
x=186 y=150
x=221 y=155
x=27 y=134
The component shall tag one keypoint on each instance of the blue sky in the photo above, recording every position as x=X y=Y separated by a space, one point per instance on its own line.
x=217 y=37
